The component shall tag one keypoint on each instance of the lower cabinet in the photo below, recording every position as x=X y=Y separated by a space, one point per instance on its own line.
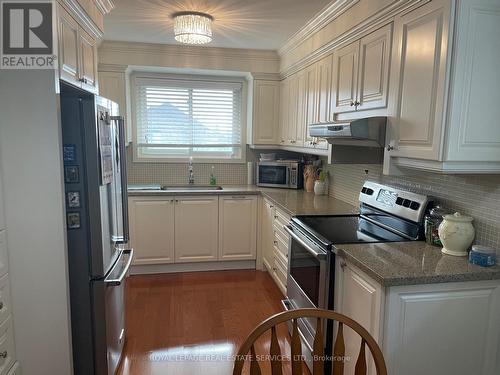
x=196 y=227
x=7 y=348
x=266 y=233
x=152 y=229
x=447 y=328
x=237 y=227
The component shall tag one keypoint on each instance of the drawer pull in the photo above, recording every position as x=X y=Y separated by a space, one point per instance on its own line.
x=275 y=242
x=3 y=354
x=1 y=305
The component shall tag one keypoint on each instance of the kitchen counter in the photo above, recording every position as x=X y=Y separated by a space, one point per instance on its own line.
x=294 y=202
x=410 y=263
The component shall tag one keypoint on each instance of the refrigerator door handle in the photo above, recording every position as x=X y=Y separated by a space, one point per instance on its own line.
x=123 y=167
x=120 y=269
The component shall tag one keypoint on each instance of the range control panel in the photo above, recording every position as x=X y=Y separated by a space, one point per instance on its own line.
x=404 y=204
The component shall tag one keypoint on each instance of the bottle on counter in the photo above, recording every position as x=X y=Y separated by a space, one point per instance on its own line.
x=432 y=222
x=213 y=179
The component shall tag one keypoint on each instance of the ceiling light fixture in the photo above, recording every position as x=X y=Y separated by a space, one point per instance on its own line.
x=193 y=27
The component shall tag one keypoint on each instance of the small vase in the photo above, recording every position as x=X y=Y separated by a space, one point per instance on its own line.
x=320 y=187
x=456 y=233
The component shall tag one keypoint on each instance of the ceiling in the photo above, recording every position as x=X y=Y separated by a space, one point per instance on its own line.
x=250 y=24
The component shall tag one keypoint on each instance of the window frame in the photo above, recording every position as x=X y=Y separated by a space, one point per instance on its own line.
x=137 y=76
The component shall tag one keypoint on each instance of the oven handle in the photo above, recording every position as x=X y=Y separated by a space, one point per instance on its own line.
x=317 y=255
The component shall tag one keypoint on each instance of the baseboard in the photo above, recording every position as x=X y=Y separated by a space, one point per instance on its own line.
x=145 y=269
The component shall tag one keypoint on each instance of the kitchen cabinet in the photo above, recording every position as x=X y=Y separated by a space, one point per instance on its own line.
x=77 y=53
x=360 y=298
x=15 y=369
x=266 y=233
x=152 y=229
x=405 y=319
x=114 y=85
x=265 y=115
x=361 y=73
x=445 y=107
x=284 y=109
x=237 y=227
x=196 y=228
x=5 y=309
x=7 y=347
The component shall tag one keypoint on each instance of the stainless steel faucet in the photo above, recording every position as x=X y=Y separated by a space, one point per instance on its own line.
x=191 y=172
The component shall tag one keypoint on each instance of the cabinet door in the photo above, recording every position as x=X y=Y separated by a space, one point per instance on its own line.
x=88 y=62
x=68 y=48
x=237 y=227
x=345 y=78
x=360 y=299
x=152 y=229
x=373 y=81
x=267 y=236
x=324 y=88
x=196 y=228
x=301 y=119
x=284 y=112
x=291 y=125
x=418 y=81
x=474 y=134
x=266 y=101
x=312 y=100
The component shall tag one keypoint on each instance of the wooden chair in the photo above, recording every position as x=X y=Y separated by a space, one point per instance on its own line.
x=318 y=348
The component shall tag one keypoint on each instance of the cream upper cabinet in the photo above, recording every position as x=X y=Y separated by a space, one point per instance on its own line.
x=237 y=227
x=69 y=57
x=361 y=73
x=88 y=63
x=267 y=235
x=312 y=100
x=324 y=88
x=77 y=53
x=291 y=124
x=374 y=63
x=284 y=112
x=152 y=229
x=301 y=117
x=445 y=116
x=196 y=228
x=266 y=104
x=418 y=80
x=345 y=73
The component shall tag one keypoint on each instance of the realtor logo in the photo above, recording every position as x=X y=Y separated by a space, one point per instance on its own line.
x=27 y=40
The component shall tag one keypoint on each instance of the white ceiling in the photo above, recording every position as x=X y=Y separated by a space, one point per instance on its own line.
x=254 y=24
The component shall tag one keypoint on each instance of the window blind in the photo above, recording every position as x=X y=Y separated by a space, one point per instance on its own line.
x=177 y=118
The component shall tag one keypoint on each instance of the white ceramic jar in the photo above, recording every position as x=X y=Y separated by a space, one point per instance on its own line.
x=456 y=233
x=320 y=187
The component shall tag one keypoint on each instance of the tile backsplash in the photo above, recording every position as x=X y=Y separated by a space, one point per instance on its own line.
x=474 y=195
x=177 y=173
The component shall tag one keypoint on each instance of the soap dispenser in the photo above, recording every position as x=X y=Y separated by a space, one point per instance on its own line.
x=213 y=179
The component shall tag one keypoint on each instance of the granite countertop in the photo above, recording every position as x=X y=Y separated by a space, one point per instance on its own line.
x=410 y=263
x=294 y=202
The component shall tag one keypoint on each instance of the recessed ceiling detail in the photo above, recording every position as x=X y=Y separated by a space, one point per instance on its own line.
x=255 y=24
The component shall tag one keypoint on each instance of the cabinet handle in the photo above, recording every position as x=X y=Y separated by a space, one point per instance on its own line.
x=352 y=103
x=275 y=216
x=343 y=264
x=81 y=80
x=1 y=305
x=356 y=103
x=275 y=242
x=3 y=354
x=390 y=148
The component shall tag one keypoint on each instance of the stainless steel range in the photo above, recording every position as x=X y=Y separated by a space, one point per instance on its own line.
x=386 y=215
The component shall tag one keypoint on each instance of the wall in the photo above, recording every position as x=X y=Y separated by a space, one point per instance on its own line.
x=30 y=144
x=474 y=195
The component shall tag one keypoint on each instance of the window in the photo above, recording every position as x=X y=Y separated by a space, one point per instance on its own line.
x=178 y=118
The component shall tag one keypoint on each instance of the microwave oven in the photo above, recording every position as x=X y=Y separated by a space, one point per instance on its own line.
x=280 y=173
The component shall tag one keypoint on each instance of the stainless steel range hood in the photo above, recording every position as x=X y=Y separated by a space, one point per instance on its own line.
x=359 y=141
x=368 y=131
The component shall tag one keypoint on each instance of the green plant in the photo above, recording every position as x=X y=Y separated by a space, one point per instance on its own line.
x=322 y=175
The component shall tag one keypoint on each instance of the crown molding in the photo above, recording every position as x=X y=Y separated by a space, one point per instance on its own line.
x=321 y=19
x=104 y=6
x=112 y=68
x=77 y=11
x=266 y=76
x=370 y=24
x=189 y=51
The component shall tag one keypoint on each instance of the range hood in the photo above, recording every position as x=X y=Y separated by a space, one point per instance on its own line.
x=368 y=131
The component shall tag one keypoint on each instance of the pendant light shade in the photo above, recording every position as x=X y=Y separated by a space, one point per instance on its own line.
x=193 y=27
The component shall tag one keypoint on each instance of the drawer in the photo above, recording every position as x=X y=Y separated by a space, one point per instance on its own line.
x=280 y=272
x=15 y=370
x=4 y=258
x=281 y=218
x=281 y=244
x=5 y=307
x=7 y=349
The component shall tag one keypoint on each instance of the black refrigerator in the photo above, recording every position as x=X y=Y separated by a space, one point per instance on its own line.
x=97 y=228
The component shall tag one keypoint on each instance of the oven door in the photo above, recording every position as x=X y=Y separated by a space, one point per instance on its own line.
x=274 y=175
x=308 y=280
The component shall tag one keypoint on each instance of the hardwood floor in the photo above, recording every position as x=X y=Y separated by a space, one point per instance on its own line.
x=192 y=323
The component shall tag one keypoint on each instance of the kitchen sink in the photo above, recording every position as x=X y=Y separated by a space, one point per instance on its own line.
x=191 y=187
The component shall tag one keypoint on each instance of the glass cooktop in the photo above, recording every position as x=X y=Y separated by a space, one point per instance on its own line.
x=337 y=230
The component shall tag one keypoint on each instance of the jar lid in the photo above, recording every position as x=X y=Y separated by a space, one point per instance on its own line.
x=483 y=249
x=458 y=218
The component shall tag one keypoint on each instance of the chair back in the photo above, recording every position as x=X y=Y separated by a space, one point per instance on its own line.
x=318 y=346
